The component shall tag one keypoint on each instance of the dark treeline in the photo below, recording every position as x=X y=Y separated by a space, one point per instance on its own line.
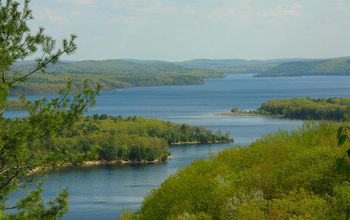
x=136 y=139
x=308 y=108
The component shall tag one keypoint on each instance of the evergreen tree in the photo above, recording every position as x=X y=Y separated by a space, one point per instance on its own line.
x=45 y=117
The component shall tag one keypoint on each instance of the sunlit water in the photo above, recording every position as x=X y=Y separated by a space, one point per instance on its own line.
x=103 y=192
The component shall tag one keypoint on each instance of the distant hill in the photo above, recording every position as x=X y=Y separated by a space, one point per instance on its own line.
x=125 y=73
x=206 y=63
x=335 y=66
x=125 y=66
x=276 y=67
x=235 y=65
x=111 y=74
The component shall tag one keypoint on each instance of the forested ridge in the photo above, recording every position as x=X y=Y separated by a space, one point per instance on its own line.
x=126 y=73
x=110 y=74
x=301 y=174
x=277 y=67
x=308 y=108
x=334 y=66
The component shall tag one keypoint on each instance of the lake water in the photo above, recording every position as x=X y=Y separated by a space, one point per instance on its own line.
x=103 y=192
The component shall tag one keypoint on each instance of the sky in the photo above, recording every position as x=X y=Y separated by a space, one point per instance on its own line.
x=177 y=30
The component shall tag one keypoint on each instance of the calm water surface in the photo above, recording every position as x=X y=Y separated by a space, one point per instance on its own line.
x=103 y=192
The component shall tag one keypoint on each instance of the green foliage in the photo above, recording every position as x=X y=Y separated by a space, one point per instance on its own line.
x=300 y=205
x=46 y=117
x=187 y=216
x=4 y=92
x=343 y=134
x=32 y=206
x=280 y=176
x=102 y=137
x=308 y=108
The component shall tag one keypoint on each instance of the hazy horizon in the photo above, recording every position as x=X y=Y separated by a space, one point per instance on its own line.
x=179 y=61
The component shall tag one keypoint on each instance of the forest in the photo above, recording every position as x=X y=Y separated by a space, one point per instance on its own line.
x=110 y=74
x=334 y=66
x=302 y=174
x=130 y=139
x=233 y=65
x=308 y=108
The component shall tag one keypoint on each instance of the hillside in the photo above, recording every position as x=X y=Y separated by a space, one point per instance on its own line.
x=296 y=175
x=235 y=65
x=111 y=74
x=277 y=67
x=122 y=66
x=336 y=66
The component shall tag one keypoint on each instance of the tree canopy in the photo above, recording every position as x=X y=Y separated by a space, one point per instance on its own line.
x=287 y=175
x=308 y=108
x=105 y=138
x=46 y=117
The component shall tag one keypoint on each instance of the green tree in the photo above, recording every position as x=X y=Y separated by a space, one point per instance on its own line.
x=45 y=117
x=343 y=135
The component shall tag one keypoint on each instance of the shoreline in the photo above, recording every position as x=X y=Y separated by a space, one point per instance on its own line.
x=96 y=163
x=92 y=163
x=199 y=143
x=115 y=162
x=236 y=114
x=241 y=113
